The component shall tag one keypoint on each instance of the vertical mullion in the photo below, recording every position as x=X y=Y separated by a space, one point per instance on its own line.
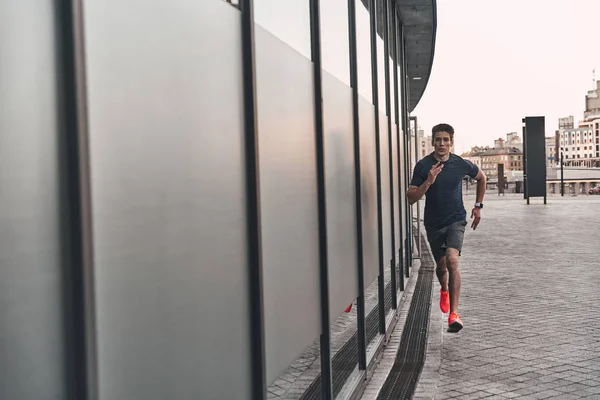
x=360 y=301
x=253 y=227
x=406 y=127
x=397 y=120
x=375 y=88
x=82 y=364
x=388 y=107
x=325 y=340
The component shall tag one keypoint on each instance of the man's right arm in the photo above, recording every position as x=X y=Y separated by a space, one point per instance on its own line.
x=415 y=193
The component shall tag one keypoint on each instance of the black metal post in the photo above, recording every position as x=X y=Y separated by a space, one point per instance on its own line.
x=412 y=207
x=380 y=278
x=562 y=175
x=77 y=209
x=360 y=301
x=395 y=32
x=405 y=128
x=315 y=35
x=388 y=112
x=253 y=227
x=525 y=192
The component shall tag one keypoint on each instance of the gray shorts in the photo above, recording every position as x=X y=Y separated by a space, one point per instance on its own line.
x=449 y=237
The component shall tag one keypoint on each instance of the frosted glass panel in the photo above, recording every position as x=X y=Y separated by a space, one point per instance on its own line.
x=32 y=335
x=288 y=20
x=381 y=82
x=341 y=194
x=395 y=182
x=385 y=189
x=288 y=201
x=363 y=49
x=335 y=43
x=166 y=134
x=369 y=190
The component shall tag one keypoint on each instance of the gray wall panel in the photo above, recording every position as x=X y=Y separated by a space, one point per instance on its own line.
x=341 y=211
x=32 y=337
x=404 y=186
x=369 y=189
x=395 y=181
x=386 y=207
x=289 y=201
x=165 y=105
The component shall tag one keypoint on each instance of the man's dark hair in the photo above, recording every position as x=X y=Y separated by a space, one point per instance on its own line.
x=442 y=128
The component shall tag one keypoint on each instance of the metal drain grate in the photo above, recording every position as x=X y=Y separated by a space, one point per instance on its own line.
x=402 y=380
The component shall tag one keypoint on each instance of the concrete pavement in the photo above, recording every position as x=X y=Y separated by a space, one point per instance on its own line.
x=530 y=278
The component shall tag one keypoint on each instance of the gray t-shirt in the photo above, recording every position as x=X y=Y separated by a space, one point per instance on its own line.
x=444 y=204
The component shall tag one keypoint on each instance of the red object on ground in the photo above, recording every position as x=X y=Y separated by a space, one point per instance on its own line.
x=348 y=308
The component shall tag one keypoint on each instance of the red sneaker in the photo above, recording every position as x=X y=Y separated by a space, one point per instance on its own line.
x=348 y=309
x=444 y=301
x=454 y=322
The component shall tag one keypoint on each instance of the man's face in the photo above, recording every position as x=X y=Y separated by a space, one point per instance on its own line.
x=442 y=143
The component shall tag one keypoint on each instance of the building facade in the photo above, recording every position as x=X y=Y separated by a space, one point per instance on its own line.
x=188 y=185
x=510 y=157
x=426 y=144
x=505 y=151
x=551 y=159
x=581 y=146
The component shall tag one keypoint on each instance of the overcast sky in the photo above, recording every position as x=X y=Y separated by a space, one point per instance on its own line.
x=495 y=61
x=499 y=61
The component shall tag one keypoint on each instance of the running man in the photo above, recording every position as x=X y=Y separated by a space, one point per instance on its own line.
x=440 y=175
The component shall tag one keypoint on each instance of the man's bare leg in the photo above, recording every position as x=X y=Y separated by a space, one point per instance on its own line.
x=453 y=278
x=442 y=273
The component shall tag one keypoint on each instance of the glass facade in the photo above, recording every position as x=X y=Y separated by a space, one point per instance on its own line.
x=201 y=197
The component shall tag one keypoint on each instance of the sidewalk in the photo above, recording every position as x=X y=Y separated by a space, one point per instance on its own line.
x=530 y=279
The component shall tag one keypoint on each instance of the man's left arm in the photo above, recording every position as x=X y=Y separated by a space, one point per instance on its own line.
x=476 y=213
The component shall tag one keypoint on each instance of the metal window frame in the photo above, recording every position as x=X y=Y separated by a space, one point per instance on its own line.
x=82 y=364
x=406 y=136
x=388 y=111
x=325 y=339
x=253 y=208
x=395 y=31
x=82 y=367
x=375 y=91
x=360 y=301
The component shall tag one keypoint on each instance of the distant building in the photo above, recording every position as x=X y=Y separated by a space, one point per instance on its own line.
x=566 y=122
x=551 y=152
x=487 y=159
x=425 y=142
x=578 y=146
x=514 y=140
x=511 y=157
x=592 y=103
x=581 y=146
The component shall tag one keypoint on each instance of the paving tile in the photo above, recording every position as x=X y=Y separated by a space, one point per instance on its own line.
x=514 y=282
